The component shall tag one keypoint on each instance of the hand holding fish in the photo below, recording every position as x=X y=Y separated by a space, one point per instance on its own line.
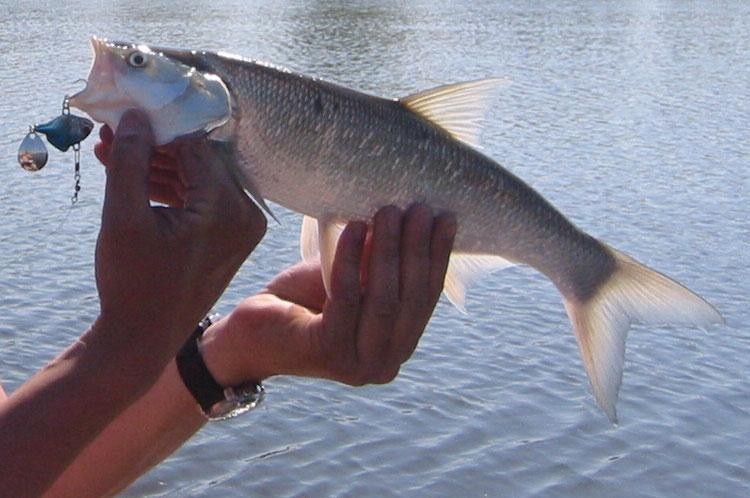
x=168 y=265
x=384 y=287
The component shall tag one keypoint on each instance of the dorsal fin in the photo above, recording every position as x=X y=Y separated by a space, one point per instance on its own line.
x=459 y=108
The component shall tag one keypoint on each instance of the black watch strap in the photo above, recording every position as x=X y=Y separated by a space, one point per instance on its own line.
x=195 y=375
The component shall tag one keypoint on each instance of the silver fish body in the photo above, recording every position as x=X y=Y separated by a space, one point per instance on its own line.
x=329 y=152
x=335 y=154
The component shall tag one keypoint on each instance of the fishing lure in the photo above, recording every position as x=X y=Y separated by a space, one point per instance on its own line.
x=63 y=132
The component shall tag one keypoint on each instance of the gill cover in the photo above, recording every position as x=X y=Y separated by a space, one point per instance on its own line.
x=178 y=98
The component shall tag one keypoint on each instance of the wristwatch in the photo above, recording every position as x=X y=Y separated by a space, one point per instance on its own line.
x=217 y=402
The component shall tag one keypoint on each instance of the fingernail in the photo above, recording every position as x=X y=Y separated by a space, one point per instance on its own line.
x=420 y=209
x=451 y=224
x=389 y=217
x=358 y=230
x=105 y=133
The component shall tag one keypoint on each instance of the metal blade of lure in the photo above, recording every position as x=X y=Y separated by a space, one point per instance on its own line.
x=32 y=154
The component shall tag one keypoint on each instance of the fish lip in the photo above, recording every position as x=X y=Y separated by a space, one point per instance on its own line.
x=100 y=46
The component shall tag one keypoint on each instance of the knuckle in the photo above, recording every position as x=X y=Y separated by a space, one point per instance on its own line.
x=357 y=380
x=351 y=375
x=360 y=372
x=253 y=224
x=394 y=373
x=258 y=227
x=374 y=373
x=384 y=374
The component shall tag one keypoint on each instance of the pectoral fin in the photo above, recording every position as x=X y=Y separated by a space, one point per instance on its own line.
x=320 y=237
x=228 y=155
x=465 y=269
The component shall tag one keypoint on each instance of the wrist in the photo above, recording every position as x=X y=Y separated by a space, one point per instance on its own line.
x=217 y=401
x=154 y=334
x=220 y=356
x=108 y=343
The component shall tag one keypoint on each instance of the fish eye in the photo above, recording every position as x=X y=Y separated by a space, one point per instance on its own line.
x=137 y=59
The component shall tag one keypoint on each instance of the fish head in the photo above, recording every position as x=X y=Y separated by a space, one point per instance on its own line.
x=178 y=98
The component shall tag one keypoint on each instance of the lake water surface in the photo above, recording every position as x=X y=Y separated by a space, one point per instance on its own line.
x=632 y=117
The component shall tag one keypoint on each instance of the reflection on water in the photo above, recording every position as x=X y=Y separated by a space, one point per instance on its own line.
x=631 y=118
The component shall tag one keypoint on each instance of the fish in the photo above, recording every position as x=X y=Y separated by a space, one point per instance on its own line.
x=335 y=154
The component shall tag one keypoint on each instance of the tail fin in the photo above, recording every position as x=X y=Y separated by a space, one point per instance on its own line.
x=632 y=293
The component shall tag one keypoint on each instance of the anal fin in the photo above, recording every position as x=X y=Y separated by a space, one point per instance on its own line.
x=464 y=269
x=320 y=238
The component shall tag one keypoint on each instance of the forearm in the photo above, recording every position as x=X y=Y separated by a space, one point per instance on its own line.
x=142 y=436
x=63 y=407
x=157 y=423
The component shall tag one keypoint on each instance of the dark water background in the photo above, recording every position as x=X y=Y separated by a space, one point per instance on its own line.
x=631 y=117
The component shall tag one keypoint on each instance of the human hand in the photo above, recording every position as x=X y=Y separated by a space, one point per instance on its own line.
x=160 y=269
x=384 y=287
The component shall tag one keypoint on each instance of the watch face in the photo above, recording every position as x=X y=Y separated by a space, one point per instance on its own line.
x=237 y=400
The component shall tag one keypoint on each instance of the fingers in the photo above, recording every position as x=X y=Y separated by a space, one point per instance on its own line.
x=216 y=159
x=301 y=284
x=416 y=302
x=101 y=151
x=409 y=259
x=165 y=194
x=165 y=161
x=423 y=275
x=381 y=305
x=205 y=173
x=441 y=245
x=106 y=134
x=102 y=148
x=126 y=191
x=163 y=158
x=369 y=330
x=341 y=311
x=165 y=186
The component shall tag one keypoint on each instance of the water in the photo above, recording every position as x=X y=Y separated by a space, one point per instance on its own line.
x=632 y=118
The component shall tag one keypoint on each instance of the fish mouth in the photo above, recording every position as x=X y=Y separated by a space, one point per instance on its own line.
x=100 y=75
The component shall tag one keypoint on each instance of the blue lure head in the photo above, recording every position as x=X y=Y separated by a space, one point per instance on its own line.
x=66 y=130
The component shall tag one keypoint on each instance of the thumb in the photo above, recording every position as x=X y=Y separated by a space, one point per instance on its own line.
x=129 y=158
